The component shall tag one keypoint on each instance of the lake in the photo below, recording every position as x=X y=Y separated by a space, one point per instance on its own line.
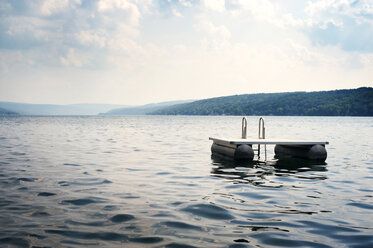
x=150 y=181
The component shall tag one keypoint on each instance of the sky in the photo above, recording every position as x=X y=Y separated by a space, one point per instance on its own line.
x=136 y=52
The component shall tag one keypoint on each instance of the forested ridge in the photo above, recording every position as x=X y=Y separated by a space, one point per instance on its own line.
x=349 y=102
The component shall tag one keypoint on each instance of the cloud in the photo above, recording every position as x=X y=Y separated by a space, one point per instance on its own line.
x=348 y=24
x=50 y=7
x=65 y=28
x=120 y=6
x=216 y=5
x=186 y=3
x=176 y=13
x=261 y=9
x=215 y=37
x=22 y=32
x=88 y=37
x=172 y=8
x=72 y=59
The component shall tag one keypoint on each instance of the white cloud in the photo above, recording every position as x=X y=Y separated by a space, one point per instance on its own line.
x=341 y=8
x=216 y=37
x=123 y=5
x=124 y=45
x=261 y=9
x=90 y=38
x=144 y=6
x=107 y=5
x=49 y=7
x=71 y=59
x=216 y=5
x=347 y=24
x=185 y=3
x=265 y=11
x=56 y=26
x=335 y=11
x=288 y=20
x=176 y=13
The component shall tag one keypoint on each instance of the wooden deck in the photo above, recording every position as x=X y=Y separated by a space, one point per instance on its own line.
x=267 y=141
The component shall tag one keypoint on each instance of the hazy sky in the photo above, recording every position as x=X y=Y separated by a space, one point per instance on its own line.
x=142 y=51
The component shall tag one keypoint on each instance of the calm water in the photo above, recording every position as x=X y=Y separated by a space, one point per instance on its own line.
x=150 y=181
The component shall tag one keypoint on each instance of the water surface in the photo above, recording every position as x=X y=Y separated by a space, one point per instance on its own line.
x=150 y=181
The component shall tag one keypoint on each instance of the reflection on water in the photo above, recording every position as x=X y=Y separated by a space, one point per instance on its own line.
x=150 y=181
x=258 y=172
x=294 y=164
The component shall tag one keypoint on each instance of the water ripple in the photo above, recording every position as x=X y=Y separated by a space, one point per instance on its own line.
x=208 y=211
x=272 y=239
x=119 y=218
x=13 y=241
x=77 y=223
x=46 y=194
x=178 y=245
x=146 y=240
x=182 y=225
x=107 y=236
x=361 y=205
x=83 y=201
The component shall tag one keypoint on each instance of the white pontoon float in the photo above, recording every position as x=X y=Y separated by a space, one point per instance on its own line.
x=242 y=149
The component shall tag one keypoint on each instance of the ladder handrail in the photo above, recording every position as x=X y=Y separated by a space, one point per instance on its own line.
x=244 y=128
x=261 y=133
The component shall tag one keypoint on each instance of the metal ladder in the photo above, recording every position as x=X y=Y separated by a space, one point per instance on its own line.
x=261 y=135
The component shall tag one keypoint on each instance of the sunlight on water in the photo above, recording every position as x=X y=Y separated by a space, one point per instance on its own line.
x=150 y=181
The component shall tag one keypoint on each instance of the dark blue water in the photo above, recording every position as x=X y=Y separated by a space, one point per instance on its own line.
x=150 y=181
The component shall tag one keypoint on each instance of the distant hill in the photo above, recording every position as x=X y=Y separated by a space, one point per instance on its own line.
x=7 y=112
x=144 y=109
x=52 y=109
x=351 y=102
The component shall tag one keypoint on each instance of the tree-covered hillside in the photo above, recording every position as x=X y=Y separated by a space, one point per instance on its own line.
x=353 y=102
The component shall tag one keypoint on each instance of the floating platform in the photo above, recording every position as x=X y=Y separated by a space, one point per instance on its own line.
x=267 y=142
x=242 y=149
